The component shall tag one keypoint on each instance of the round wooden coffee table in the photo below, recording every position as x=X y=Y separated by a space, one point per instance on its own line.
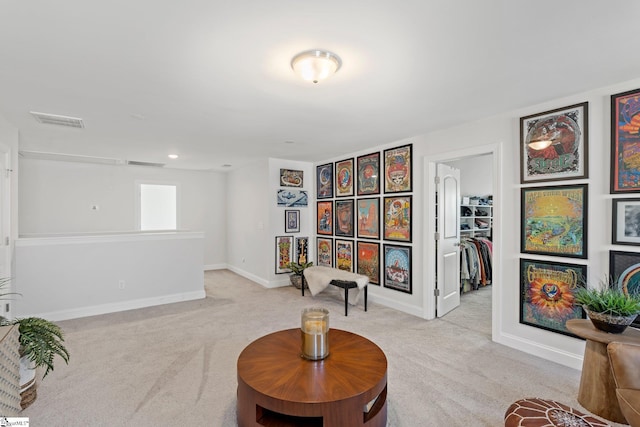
x=277 y=387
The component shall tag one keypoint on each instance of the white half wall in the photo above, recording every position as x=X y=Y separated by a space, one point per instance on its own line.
x=66 y=277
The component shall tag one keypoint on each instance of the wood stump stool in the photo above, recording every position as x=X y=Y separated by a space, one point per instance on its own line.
x=534 y=412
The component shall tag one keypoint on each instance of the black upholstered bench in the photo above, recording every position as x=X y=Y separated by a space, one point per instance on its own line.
x=346 y=285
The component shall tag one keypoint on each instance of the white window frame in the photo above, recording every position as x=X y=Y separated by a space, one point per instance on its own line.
x=138 y=202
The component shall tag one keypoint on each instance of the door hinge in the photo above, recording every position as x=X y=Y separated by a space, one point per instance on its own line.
x=436 y=292
x=6 y=172
x=436 y=180
x=436 y=236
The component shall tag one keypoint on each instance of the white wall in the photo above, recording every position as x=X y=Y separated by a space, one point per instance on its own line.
x=254 y=219
x=476 y=175
x=56 y=197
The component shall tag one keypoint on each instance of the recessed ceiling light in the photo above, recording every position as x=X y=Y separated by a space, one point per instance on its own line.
x=173 y=156
x=226 y=165
x=289 y=142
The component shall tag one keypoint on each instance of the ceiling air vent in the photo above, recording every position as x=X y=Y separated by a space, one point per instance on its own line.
x=137 y=163
x=68 y=157
x=53 y=119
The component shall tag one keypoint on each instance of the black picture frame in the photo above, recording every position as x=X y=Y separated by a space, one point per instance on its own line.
x=284 y=253
x=554 y=220
x=554 y=145
x=324 y=181
x=396 y=214
x=398 y=169
x=625 y=222
x=368 y=174
x=547 y=291
x=397 y=270
x=292 y=221
x=625 y=139
x=344 y=218
x=368 y=218
x=624 y=274
x=344 y=178
x=324 y=252
x=368 y=262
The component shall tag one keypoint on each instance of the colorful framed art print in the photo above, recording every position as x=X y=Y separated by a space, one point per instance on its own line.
x=324 y=210
x=625 y=142
x=344 y=255
x=369 y=261
x=624 y=274
x=554 y=220
x=302 y=250
x=344 y=178
x=547 y=294
x=344 y=218
x=554 y=145
x=368 y=168
x=397 y=268
x=284 y=254
x=324 y=181
x=397 y=218
x=324 y=252
x=291 y=178
x=368 y=212
x=398 y=171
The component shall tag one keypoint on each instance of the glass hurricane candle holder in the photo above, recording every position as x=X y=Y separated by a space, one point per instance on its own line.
x=314 y=330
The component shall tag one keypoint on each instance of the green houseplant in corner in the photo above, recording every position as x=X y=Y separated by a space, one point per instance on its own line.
x=297 y=270
x=610 y=309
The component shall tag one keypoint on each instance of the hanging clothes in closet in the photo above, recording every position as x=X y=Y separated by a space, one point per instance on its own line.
x=475 y=263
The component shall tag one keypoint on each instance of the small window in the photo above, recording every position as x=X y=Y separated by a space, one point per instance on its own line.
x=158 y=207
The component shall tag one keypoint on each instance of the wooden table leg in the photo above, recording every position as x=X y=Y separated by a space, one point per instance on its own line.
x=597 y=387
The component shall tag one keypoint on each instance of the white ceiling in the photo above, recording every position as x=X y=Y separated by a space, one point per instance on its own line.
x=211 y=80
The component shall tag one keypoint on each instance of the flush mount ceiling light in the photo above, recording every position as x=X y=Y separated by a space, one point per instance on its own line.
x=540 y=144
x=315 y=65
x=173 y=156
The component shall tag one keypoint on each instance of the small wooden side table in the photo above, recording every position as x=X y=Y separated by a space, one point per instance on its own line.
x=597 y=387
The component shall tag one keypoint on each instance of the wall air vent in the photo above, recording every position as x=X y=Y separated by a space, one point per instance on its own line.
x=69 y=158
x=54 y=119
x=137 y=163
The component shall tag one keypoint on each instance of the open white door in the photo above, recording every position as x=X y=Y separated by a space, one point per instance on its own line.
x=448 y=240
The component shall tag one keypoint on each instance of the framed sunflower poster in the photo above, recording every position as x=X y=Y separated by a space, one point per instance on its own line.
x=554 y=220
x=547 y=294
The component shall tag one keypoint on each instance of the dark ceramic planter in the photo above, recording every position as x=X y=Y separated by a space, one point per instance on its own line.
x=608 y=323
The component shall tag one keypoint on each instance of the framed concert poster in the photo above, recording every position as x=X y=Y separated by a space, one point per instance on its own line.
x=397 y=268
x=302 y=250
x=547 y=294
x=554 y=220
x=344 y=218
x=344 y=178
x=284 y=254
x=624 y=273
x=625 y=215
x=398 y=172
x=324 y=211
x=368 y=211
x=369 y=261
x=397 y=218
x=324 y=252
x=344 y=255
x=292 y=221
x=554 y=145
x=291 y=178
x=324 y=181
x=625 y=142
x=368 y=168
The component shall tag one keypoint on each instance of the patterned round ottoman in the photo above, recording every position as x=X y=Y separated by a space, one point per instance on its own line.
x=534 y=412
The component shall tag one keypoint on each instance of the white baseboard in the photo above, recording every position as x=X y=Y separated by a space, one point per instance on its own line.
x=215 y=267
x=119 y=306
x=269 y=284
x=396 y=305
x=565 y=358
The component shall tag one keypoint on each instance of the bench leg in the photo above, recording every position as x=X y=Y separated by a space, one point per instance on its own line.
x=346 y=301
x=365 y=298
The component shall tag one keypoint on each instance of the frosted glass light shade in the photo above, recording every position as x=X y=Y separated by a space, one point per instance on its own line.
x=540 y=145
x=315 y=65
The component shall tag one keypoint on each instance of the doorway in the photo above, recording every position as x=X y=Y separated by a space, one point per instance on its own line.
x=490 y=155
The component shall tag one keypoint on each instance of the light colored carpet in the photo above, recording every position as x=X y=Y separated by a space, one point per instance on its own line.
x=175 y=365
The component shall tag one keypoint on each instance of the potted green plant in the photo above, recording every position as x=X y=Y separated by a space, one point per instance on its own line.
x=297 y=270
x=610 y=309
